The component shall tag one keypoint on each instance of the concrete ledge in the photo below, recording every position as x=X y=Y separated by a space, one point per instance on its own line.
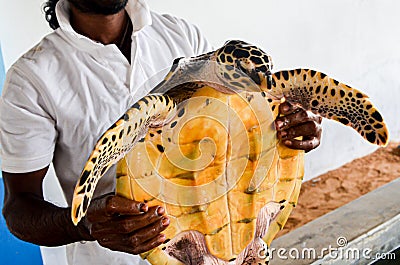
x=355 y=233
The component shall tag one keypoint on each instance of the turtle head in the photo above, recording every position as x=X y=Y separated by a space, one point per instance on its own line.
x=185 y=70
x=237 y=66
x=239 y=61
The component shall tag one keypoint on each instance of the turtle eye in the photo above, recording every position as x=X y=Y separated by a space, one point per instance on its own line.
x=251 y=71
x=241 y=67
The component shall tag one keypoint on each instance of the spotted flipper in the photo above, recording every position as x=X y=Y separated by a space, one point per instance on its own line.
x=331 y=99
x=120 y=138
x=313 y=90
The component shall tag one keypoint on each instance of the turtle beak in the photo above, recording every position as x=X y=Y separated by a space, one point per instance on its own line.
x=184 y=70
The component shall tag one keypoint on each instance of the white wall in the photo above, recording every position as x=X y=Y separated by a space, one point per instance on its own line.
x=22 y=25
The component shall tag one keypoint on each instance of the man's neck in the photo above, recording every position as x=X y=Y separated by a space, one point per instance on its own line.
x=106 y=29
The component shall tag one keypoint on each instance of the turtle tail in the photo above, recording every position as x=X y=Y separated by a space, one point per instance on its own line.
x=118 y=140
x=317 y=92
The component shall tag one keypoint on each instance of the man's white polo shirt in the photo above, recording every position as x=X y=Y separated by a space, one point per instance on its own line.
x=66 y=91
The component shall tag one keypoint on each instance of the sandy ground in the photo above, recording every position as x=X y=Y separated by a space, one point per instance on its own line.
x=338 y=187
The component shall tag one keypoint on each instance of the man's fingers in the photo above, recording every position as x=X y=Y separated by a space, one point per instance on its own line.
x=153 y=217
x=103 y=208
x=117 y=205
x=143 y=240
x=147 y=245
x=126 y=245
x=286 y=108
x=150 y=244
x=296 y=118
x=295 y=122
x=306 y=145
x=128 y=224
x=310 y=128
x=150 y=231
x=293 y=119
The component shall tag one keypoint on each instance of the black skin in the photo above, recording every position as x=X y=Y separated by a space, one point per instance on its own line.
x=116 y=223
x=99 y=7
x=293 y=122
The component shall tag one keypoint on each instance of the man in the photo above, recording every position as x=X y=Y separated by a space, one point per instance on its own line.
x=60 y=96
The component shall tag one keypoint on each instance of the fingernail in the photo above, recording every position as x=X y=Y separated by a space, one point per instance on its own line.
x=161 y=238
x=288 y=142
x=160 y=211
x=165 y=221
x=283 y=134
x=285 y=108
x=279 y=124
x=143 y=207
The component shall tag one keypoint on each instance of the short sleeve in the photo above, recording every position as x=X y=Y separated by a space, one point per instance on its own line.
x=196 y=38
x=27 y=130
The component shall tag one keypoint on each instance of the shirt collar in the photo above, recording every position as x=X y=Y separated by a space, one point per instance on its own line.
x=137 y=10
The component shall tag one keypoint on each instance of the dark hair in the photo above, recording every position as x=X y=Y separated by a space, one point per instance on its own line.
x=49 y=9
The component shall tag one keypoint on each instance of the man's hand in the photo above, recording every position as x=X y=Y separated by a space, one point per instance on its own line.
x=124 y=225
x=293 y=122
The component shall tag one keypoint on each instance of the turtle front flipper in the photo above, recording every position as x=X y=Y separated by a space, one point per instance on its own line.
x=119 y=139
x=331 y=99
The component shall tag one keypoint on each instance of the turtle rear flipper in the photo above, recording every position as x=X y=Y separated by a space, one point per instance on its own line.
x=190 y=247
x=119 y=139
x=331 y=99
x=257 y=251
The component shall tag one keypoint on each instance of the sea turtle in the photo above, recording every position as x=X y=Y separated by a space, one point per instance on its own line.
x=203 y=144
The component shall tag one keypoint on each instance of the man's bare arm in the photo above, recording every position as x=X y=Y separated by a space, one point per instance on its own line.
x=115 y=222
x=32 y=219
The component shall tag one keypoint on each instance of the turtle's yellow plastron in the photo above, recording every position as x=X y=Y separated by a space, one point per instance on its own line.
x=210 y=155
